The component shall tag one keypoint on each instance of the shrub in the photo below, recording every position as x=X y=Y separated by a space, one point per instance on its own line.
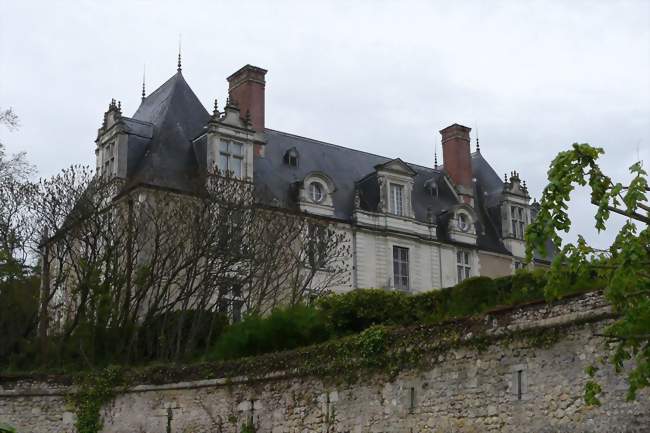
x=283 y=329
x=352 y=312
x=195 y=330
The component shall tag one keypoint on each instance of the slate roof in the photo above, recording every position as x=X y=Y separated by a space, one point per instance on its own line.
x=162 y=154
x=275 y=182
x=177 y=117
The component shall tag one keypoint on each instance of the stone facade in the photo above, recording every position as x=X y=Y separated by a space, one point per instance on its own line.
x=511 y=385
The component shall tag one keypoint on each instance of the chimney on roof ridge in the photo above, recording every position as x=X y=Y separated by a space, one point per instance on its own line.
x=456 y=156
x=246 y=86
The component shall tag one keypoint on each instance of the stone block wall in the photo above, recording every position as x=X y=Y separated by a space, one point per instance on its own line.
x=510 y=385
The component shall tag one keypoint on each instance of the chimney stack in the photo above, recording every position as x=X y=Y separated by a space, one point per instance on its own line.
x=456 y=157
x=246 y=87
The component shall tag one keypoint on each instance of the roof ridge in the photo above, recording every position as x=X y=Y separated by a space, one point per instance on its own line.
x=354 y=150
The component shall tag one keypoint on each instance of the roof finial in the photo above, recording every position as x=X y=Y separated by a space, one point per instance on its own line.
x=216 y=108
x=179 y=69
x=478 y=146
x=505 y=177
x=435 y=156
x=144 y=73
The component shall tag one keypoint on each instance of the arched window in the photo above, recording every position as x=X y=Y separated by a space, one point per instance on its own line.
x=316 y=192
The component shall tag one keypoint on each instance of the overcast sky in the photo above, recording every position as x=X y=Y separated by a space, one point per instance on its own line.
x=379 y=76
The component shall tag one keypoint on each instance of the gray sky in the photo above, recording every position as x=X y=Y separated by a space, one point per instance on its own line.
x=379 y=76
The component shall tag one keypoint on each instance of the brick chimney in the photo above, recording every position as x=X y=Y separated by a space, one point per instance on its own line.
x=246 y=87
x=456 y=156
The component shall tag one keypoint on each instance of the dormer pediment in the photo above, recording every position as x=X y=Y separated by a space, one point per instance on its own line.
x=396 y=166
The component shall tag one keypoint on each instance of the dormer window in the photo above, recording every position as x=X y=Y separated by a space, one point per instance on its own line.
x=231 y=157
x=518 y=218
x=316 y=192
x=463 y=223
x=291 y=157
x=397 y=199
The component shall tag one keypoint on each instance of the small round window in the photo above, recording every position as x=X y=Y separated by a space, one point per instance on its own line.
x=317 y=192
x=463 y=224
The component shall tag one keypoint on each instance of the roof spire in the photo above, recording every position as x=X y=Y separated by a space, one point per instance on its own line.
x=144 y=72
x=179 y=68
x=435 y=156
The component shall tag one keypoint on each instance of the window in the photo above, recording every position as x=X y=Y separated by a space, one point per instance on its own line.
x=316 y=192
x=231 y=157
x=317 y=245
x=401 y=268
x=291 y=157
x=519 y=382
x=518 y=221
x=463 y=224
x=463 y=265
x=397 y=199
x=109 y=159
x=518 y=265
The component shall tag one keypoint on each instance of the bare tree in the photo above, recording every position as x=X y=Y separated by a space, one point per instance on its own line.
x=151 y=274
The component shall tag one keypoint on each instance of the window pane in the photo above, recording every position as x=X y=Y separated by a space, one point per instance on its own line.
x=223 y=146
x=521 y=229
x=236 y=166
x=460 y=273
x=512 y=212
x=521 y=214
x=459 y=257
x=236 y=149
x=466 y=258
x=514 y=228
x=223 y=162
x=466 y=272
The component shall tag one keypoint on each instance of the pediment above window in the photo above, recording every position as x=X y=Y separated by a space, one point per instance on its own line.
x=396 y=166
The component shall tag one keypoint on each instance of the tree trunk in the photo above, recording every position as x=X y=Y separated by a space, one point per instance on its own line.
x=44 y=319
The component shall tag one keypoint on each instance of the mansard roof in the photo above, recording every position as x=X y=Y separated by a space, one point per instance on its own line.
x=162 y=154
x=177 y=117
x=349 y=169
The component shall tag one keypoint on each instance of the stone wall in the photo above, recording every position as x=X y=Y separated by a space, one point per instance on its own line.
x=508 y=385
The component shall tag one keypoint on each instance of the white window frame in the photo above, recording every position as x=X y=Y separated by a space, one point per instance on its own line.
x=401 y=268
x=463 y=264
x=315 y=188
x=396 y=193
x=229 y=157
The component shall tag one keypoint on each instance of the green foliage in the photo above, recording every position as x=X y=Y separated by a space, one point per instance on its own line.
x=6 y=428
x=248 y=428
x=622 y=269
x=352 y=312
x=372 y=345
x=282 y=329
x=94 y=391
x=592 y=389
x=18 y=308
x=161 y=332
